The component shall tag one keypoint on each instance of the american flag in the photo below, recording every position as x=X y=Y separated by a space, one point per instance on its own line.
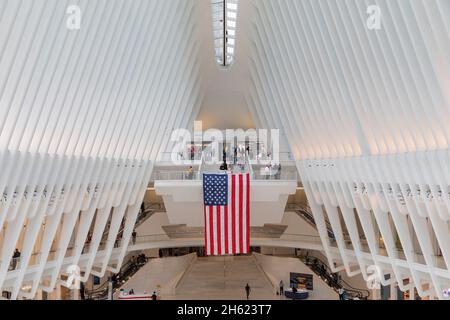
x=227 y=213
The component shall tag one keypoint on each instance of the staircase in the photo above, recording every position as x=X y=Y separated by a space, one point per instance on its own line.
x=224 y=278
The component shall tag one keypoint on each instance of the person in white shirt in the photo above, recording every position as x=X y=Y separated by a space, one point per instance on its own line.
x=341 y=293
x=267 y=172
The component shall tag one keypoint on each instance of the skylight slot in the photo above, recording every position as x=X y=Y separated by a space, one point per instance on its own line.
x=224 y=14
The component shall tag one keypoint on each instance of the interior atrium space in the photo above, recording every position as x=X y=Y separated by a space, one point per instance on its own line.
x=225 y=150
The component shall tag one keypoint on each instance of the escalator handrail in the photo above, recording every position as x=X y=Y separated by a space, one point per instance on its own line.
x=101 y=287
x=124 y=271
x=362 y=293
x=307 y=213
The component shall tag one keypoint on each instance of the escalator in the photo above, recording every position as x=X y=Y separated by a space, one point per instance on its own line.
x=144 y=214
x=126 y=272
x=304 y=212
x=334 y=280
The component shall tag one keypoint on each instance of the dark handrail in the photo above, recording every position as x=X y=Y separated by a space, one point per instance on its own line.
x=306 y=213
x=126 y=271
x=323 y=270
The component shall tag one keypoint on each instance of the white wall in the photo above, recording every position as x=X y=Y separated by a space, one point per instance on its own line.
x=225 y=110
x=165 y=272
x=278 y=269
x=152 y=226
x=297 y=225
x=184 y=201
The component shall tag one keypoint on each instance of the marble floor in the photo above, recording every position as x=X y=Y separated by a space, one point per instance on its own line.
x=223 y=278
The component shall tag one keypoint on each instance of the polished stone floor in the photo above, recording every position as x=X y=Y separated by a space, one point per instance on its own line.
x=223 y=278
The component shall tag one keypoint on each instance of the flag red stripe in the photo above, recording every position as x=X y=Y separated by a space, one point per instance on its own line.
x=226 y=229
x=211 y=230
x=248 y=213
x=206 y=226
x=241 y=214
x=233 y=212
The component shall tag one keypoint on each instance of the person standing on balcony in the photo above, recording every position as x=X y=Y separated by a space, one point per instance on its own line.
x=267 y=172
x=190 y=173
x=134 y=235
x=116 y=243
x=16 y=257
x=278 y=172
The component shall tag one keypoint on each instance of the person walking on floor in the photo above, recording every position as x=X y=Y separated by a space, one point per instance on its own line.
x=248 y=290
x=281 y=287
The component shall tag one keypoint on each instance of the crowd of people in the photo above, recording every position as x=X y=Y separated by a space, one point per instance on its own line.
x=131 y=292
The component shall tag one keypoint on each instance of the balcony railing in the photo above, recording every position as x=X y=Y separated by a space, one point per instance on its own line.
x=288 y=175
x=195 y=158
x=199 y=235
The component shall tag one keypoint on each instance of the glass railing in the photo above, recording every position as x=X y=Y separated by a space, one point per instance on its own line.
x=200 y=235
x=266 y=158
x=271 y=174
x=179 y=157
x=209 y=157
x=283 y=175
x=177 y=176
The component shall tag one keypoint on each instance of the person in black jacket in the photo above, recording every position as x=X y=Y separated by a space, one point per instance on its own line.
x=248 y=290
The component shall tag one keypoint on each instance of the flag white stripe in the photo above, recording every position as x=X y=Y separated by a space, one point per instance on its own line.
x=222 y=229
x=215 y=230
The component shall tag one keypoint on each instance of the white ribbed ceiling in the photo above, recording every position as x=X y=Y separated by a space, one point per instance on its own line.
x=311 y=67
x=340 y=89
x=114 y=88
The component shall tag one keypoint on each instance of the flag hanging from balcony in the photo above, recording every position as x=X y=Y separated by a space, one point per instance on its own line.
x=227 y=213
